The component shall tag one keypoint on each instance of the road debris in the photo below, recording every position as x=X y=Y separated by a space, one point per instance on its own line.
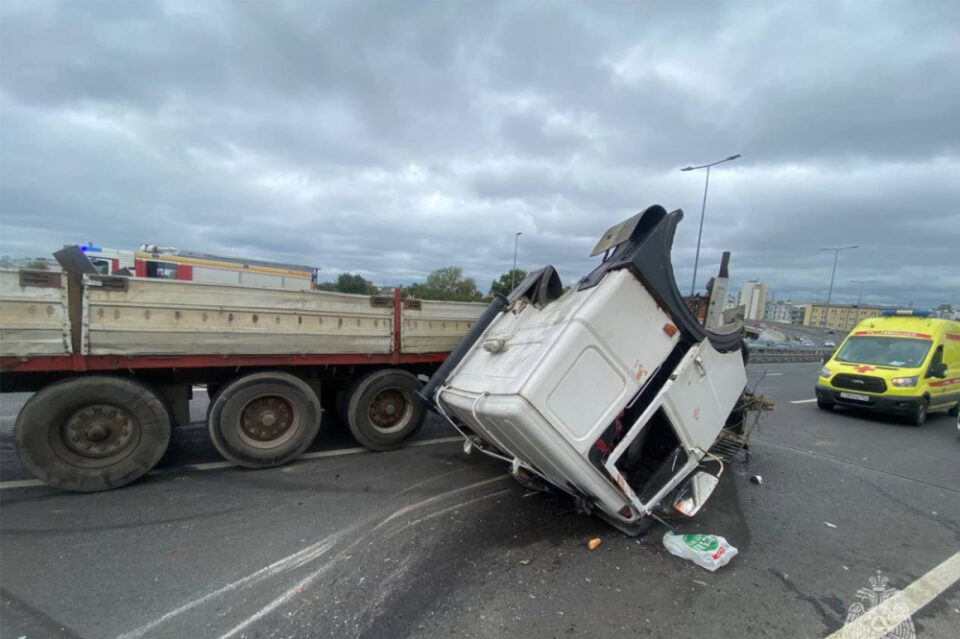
x=756 y=479
x=593 y=543
x=707 y=551
x=829 y=524
x=524 y=562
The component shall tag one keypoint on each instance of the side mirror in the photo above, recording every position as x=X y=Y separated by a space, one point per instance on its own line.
x=695 y=493
x=938 y=370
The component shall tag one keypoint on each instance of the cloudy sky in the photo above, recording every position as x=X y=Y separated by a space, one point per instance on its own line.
x=392 y=139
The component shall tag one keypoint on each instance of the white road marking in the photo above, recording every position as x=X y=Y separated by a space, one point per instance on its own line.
x=320 y=454
x=21 y=483
x=878 y=621
x=772 y=374
x=803 y=401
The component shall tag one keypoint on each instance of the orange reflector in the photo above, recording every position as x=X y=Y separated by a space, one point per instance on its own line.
x=670 y=329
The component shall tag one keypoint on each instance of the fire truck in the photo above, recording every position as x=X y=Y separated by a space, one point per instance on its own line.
x=169 y=263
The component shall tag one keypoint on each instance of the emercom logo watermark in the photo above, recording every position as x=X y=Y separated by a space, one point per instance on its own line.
x=879 y=613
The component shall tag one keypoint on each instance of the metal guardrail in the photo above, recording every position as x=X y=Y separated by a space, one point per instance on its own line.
x=776 y=355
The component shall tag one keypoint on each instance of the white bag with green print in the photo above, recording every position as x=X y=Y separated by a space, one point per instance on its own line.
x=707 y=551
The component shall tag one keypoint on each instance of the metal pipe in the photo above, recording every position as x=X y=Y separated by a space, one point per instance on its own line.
x=489 y=314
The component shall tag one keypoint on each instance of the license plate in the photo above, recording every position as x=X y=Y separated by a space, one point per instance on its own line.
x=855 y=396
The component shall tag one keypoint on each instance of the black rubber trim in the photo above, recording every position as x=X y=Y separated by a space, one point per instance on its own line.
x=647 y=255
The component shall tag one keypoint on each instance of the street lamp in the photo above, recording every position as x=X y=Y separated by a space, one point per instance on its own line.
x=513 y=272
x=836 y=256
x=860 y=293
x=860 y=296
x=696 y=261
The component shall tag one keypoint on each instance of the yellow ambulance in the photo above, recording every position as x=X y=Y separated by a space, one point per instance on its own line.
x=903 y=363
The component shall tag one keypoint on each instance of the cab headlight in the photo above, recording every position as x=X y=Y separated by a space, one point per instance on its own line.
x=904 y=381
x=825 y=372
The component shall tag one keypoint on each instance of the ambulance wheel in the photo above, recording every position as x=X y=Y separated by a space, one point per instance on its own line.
x=264 y=419
x=93 y=433
x=382 y=409
x=919 y=416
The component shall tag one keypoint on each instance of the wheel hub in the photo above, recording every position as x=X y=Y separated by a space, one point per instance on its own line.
x=267 y=418
x=387 y=408
x=99 y=430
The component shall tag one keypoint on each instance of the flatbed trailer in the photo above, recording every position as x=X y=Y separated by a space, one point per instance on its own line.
x=113 y=362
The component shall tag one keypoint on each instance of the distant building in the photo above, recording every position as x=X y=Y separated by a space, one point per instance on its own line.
x=841 y=317
x=797 y=311
x=945 y=311
x=753 y=297
x=785 y=311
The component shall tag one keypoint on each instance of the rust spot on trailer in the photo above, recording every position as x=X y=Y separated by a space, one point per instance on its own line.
x=641 y=372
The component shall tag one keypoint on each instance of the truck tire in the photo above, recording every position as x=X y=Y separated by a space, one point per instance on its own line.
x=919 y=416
x=383 y=410
x=93 y=433
x=264 y=419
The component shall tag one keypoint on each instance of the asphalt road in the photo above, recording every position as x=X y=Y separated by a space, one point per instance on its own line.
x=428 y=542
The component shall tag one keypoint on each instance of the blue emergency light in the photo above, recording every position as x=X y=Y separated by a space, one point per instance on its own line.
x=888 y=312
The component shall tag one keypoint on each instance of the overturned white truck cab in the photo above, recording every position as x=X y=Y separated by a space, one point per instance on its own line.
x=610 y=391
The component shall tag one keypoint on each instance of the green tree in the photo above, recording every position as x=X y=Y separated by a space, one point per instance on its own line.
x=505 y=283
x=38 y=265
x=352 y=283
x=447 y=283
x=348 y=283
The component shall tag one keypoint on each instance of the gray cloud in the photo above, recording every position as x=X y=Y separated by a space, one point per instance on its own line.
x=395 y=138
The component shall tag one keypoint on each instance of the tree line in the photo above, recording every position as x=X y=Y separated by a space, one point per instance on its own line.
x=447 y=283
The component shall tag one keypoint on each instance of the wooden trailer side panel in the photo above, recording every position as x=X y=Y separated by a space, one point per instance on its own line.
x=170 y=317
x=33 y=313
x=433 y=326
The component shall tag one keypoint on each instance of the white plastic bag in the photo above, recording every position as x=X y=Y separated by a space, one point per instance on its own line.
x=707 y=551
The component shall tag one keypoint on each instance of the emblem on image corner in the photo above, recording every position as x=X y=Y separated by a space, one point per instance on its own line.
x=878 y=614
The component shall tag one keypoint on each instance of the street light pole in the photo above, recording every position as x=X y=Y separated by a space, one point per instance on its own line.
x=860 y=292
x=860 y=296
x=703 y=209
x=513 y=272
x=836 y=257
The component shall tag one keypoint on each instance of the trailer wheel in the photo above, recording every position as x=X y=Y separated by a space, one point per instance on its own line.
x=383 y=409
x=264 y=419
x=92 y=433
